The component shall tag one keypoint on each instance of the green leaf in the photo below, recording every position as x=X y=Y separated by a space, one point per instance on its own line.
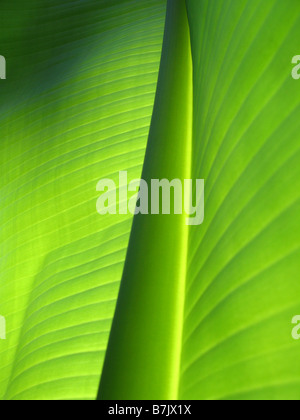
x=204 y=312
x=148 y=320
x=212 y=319
x=76 y=107
x=243 y=279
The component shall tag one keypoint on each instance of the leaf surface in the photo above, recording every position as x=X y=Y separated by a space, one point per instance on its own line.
x=76 y=108
x=231 y=338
